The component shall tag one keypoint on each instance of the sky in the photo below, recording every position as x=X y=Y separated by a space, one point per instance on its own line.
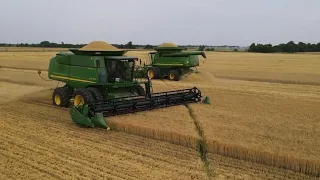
x=197 y=22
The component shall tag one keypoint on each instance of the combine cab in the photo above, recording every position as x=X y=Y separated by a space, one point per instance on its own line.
x=107 y=83
x=169 y=61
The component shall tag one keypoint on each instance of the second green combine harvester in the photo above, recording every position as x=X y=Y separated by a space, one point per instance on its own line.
x=170 y=61
x=101 y=82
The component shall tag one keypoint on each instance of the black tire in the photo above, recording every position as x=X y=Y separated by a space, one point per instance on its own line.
x=174 y=75
x=139 y=89
x=61 y=97
x=155 y=71
x=80 y=94
x=96 y=94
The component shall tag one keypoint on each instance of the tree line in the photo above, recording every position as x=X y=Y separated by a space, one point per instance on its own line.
x=47 y=44
x=129 y=45
x=289 y=47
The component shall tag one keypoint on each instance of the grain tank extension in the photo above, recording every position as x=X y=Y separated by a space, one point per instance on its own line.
x=101 y=83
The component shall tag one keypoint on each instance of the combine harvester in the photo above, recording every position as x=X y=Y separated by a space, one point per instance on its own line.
x=100 y=82
x=170 y=61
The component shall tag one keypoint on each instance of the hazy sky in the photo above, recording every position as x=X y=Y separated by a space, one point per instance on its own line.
x=212 y=22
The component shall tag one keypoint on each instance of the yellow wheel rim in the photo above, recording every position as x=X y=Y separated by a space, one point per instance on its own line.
x=171 y=76
x=78 y=100
x=57 y=99
x=150 y=74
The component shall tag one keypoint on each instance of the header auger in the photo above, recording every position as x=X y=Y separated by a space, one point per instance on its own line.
x=102 y=83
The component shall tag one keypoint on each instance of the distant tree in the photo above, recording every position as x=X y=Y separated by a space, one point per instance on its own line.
x=148 y=46
x=210 y=49
x=302 y=47
x=252 y=47
x=129 y=45
x=45 y=44
x=289 y=47
x=201 y=48
x=318 y=47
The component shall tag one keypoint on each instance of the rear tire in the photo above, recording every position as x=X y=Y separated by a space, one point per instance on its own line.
x=82 y=96
x=60 y=97
x=96 y=94
x=174 y=75
x=153 y=72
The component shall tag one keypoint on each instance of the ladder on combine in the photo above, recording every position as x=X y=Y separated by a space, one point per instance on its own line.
x=91 y=115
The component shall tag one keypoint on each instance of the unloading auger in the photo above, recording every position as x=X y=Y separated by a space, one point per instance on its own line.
x=102 y=83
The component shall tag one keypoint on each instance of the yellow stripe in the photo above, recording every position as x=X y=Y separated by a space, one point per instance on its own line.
x=170 y=64
x=73 y=79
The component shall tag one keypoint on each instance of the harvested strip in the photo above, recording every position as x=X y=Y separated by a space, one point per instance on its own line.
x=159 y=124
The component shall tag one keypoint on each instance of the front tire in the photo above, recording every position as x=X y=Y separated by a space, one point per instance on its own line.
x=153 y=72
x=82 y=96
x=60 y=97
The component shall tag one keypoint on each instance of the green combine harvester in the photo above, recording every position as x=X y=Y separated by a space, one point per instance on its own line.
x=102 y=83
x=170 y=61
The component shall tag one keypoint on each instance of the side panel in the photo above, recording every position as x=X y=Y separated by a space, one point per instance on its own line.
x=58 y=71
x=51 y=66
x=171 y=61
x=85 y=71
x=82 y=76
x=61 y=69
x=84 y=61
x=62 y=59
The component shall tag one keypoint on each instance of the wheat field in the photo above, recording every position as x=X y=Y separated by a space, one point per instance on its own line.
x=262 y=124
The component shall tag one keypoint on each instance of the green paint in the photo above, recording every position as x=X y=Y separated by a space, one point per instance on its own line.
x=80 y=116
x=99 y=121
x=206 y=100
